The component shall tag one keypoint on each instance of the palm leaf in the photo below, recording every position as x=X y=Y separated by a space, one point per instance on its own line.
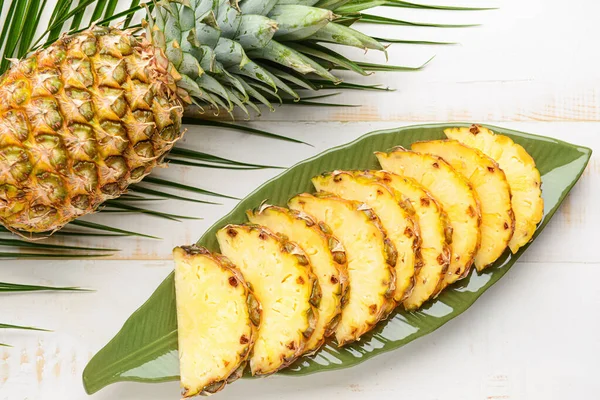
x=6 y=287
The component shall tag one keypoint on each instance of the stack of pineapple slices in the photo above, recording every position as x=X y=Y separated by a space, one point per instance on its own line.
x=337 y=262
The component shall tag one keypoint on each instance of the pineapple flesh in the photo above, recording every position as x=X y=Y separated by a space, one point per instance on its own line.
x=327 y=258
x=522 y=175
x=457 y=197
x=493 y=191
x=371 y=260
x=280 y=275
x=436 y=236
x=217 y=318
x=396 y=218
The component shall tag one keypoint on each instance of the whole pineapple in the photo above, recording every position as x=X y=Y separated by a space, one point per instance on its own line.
x=93 y=113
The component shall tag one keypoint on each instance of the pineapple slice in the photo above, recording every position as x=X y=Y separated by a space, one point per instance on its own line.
x=395 y=216
x=436 y=236
x=371 y=257
x=493 y=191
x=522 y=175
x=280 y=275
x=326 y=255
x=217 y=316
x=457 y=197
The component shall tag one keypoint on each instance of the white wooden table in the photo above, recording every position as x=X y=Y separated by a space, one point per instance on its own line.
x=534 y=66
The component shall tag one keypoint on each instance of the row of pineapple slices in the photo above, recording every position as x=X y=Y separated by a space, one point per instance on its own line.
x=338 y=262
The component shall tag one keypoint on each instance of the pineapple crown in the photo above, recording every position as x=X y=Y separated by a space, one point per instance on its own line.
x=228 y=53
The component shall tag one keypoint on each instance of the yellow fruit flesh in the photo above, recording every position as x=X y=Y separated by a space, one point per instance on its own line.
x=371 y=277
x=282 y=285
x=214 y=325
x=493 y=191
x=522 y=175
x=330 y=270
x=400 y=227
x=435 y=236
x=457 y=197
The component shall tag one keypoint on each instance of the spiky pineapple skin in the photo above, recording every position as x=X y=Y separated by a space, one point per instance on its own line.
x=80 y=121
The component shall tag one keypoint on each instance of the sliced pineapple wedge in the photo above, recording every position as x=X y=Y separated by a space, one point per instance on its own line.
x=396 y=218
x=280 y=275
x=217 y=316
x=326 y=255
x=436 y=235
x=371 y=260
x=456 y=195
x=493 y=191
x=522 y=175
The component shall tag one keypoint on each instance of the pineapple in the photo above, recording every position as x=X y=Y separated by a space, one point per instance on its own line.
x=84 y=118
x=493 y=191
x=396 y=218
x=371 y=260
x=217 y=318
x=436 y=236
x=457 y=197
x=327 y=258
x=280 y=275
x=522 y=175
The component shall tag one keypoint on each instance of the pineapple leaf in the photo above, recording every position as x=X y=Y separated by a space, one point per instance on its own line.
x=403 y=41
x=384 y=67
x=408 y=4
x=376 y=19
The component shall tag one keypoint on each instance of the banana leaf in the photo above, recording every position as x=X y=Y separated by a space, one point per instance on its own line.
x=145 y=350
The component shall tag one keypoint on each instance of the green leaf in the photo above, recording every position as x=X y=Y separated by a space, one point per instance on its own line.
x=392 y=68
x=404 y=41
x=16 y=16
x=27 y=328
x=408 y=4
x=123 y=207
x=145 y=350
x=175 y=185
x=243 y=128
x=37 y=245
x=15 y=287
x=201 y=156
x=376 y=19
x=106 y=228
x=165 y=195
x=41 y=255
